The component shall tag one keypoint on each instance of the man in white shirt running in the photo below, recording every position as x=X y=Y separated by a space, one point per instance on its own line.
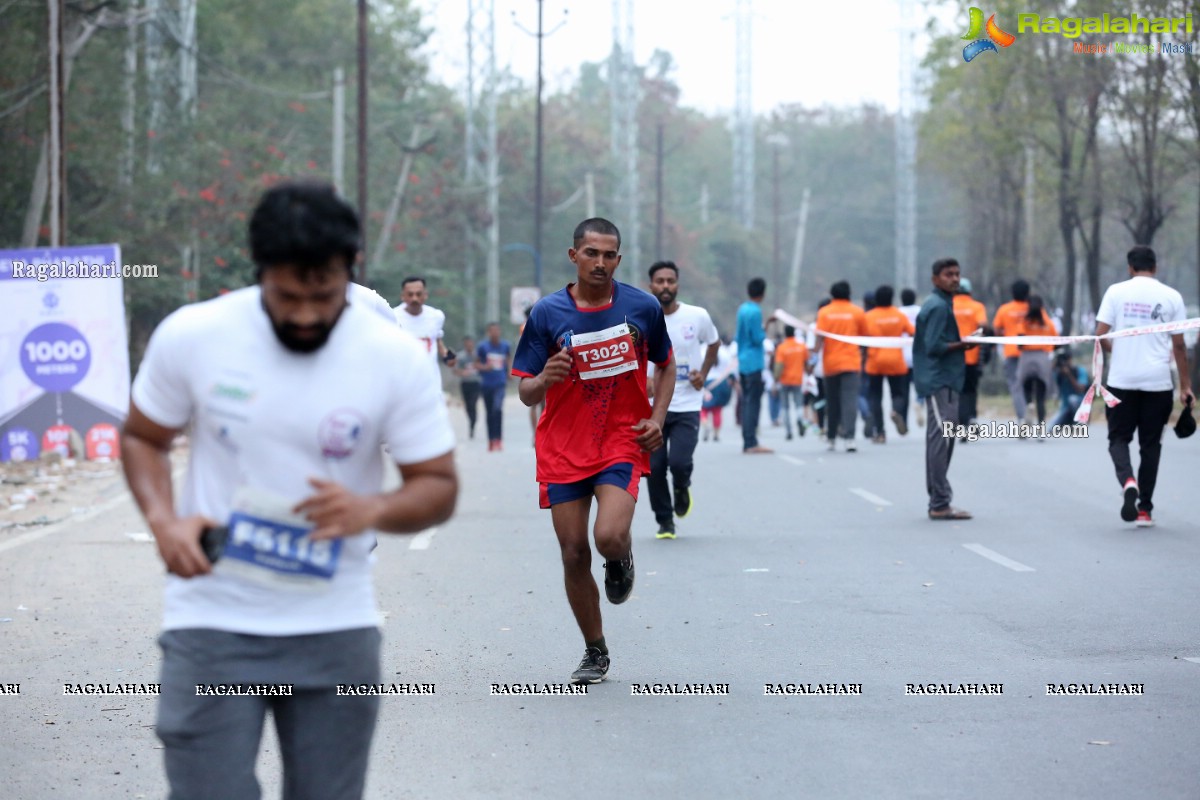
x=1139 y=374
x=422 y=320
x=280 y=388
x=695 y=343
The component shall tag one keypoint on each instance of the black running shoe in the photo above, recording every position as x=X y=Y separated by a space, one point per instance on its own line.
x=1129 y=509
x=592 y=668
x=618 y=579
x=683 y=501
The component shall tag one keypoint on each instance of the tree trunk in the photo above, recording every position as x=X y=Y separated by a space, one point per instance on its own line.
x=36 y=210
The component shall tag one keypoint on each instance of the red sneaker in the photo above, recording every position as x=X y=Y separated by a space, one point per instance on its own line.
x=1144 y=520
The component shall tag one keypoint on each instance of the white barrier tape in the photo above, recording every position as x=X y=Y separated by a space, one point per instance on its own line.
x=1085 y=408
x=1084 y=412
x=904 y=341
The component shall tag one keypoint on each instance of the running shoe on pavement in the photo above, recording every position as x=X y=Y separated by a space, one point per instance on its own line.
x=618 y=579
x=592 y=668
x=1144 y=520
x=683 y=501
x=666 y=530
x=1129 y=511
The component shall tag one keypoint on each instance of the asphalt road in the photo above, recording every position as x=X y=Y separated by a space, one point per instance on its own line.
x=803 y=567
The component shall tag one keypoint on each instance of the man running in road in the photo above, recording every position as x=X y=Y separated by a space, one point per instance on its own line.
x=585 y=350
x=423 y=320
x=694 y=343
x=282 y=391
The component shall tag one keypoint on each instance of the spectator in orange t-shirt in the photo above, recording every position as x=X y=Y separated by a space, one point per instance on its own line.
x=1009 y=320
x=1035 y=372
x=887 y=363
x=971 y=315
x=841 y=362
x=791 y=357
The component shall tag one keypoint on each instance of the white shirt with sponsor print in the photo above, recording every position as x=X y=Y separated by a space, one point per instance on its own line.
x=691 y=330
x=261 y=421
x=1141 y=362
x=426 y=326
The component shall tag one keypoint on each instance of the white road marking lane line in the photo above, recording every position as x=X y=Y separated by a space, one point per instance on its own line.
x=112 y=502
x=423 y=539
x=1004 y=561
x=799 y=462
x=871 y=498
x=1193 y=660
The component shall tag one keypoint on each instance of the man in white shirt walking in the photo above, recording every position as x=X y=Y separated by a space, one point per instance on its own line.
x=695 y=343
x=1139 y=374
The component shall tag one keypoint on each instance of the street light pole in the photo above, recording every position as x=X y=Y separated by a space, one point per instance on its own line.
x=775 y=212
x=537 y=192
x=778 y=141
x=537 y=189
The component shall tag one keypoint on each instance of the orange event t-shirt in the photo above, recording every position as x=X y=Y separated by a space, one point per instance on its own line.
x=887 y=321
x=847 y=319
x=1044 y=328
x=793 y=354
x=970 y=314
x=1009 y=320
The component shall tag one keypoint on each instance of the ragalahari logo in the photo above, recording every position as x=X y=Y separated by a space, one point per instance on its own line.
x=978 y=44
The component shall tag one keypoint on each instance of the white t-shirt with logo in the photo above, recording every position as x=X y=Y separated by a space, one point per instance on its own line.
x=691 y=330
x=1141 y=362
x=261 y=421
x=426 y=326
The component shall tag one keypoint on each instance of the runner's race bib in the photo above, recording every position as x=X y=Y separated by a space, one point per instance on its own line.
x=269 y=545
x=682 y=371
x=604 y=353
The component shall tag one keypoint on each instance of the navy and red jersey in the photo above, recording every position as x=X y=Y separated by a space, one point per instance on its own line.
x=589 y=417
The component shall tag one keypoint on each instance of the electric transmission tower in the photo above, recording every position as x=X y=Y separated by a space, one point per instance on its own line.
x=623 y=89
x=743 y=123
x=482 y=170
x=906 y=157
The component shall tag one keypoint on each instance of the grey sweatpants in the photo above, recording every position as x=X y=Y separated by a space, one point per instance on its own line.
x=211 y=743
x=942 y=406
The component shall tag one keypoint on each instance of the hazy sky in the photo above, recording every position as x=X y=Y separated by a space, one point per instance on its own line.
x=812 y=52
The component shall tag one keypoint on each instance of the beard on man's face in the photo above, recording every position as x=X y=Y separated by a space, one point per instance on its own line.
x=307 y=339
x=666 y=297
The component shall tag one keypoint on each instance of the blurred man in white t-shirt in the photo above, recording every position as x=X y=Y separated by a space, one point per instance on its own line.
x=1139 y=373
x=281 y=390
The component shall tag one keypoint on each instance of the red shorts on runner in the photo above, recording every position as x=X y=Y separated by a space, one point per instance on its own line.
x=621 y=475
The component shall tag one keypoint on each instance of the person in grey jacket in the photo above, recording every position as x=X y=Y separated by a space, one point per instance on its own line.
x=939 y=369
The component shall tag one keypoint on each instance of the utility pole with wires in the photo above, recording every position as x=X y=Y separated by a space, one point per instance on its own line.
x=625 y=95
x=541 y=34
x=906 y=157
x=362 y=134
x=482 y=162
x=743 y=122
